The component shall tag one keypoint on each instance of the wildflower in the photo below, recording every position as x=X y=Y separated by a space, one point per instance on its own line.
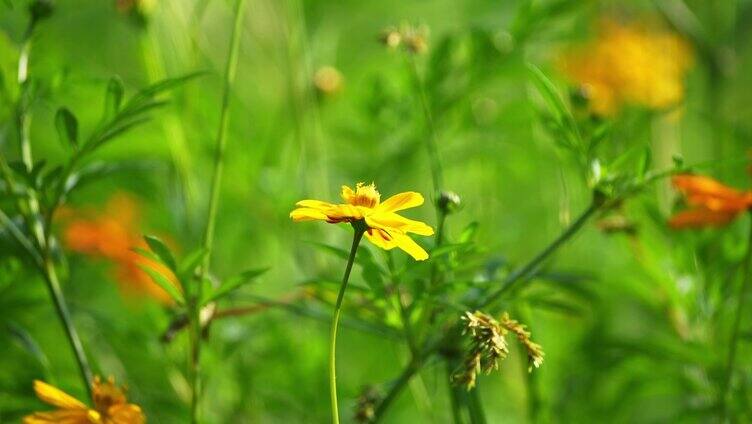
x=711 y=203
x=113 y=235
x=630 y=64
x=488 y=346
x=328 y=80
x=110 y=406
x=362 y=206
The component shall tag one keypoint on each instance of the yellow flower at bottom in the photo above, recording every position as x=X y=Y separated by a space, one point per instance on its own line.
x=385 y=228
x=110 y=406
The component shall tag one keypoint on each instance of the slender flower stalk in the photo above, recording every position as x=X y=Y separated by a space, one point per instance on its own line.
x=741 y=298
x=360 y=229
x=37 y=245
x=195 y=301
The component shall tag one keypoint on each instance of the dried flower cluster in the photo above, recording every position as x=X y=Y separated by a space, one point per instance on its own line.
x=365 y=407
x=413 y=39
x=488 y=346
x=534 y=350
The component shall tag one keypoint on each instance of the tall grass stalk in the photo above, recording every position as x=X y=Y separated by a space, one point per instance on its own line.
x=741 y=301
x=208 y=242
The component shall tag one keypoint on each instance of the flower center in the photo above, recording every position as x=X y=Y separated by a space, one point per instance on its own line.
x=364 y=195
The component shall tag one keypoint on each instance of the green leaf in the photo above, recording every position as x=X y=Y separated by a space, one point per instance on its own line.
x=29 y=344
x=643 y=164
x=234 y=283
x=113 y=97
x=468 y=234
x=555 y=103
x=164 y=283
x=162 y=251
x=67 y=127
x=191 y=262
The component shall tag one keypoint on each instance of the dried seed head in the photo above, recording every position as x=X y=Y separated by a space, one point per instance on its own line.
x=365 y=408
x=391 y=38
x=488 y=348
x=534 y=350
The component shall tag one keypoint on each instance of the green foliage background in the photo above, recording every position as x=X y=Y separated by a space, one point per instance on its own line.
x=635 y=328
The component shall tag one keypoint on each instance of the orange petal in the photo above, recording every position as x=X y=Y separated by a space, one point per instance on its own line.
x=697 y=218
x=56 y=397
x=704 y=186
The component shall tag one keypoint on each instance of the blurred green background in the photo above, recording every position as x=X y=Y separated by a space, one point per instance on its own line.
x=635 y=325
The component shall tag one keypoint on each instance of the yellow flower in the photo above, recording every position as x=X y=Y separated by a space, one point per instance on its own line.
x=630 y=64
x=385 y=228
x=110 y=406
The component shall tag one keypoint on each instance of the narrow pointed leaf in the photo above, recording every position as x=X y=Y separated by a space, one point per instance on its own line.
x=67 y=127
x=162 y=251
x=164 y=283
x=234 y=283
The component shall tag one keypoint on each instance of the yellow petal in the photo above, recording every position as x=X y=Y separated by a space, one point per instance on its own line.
x=381 y=239
x=410 y=246
x=63 y=416
x=56 y=397
x=390 y=220
x=126 y=414
x=314 y=204
x=307 y=214
x=349 y=212
x=347 y=193
x=398 y=202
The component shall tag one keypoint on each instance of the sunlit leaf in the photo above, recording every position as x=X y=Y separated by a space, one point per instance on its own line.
x=162 y=251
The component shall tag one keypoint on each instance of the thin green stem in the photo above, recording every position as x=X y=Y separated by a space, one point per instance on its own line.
x=208 y=242
x=357 y=236
x=741 y=299
x=529 y=268
x=410 y=370
x=437 y=173
x=21 y=239
x=53 y=284
x=475 y=407
x=454 y=395
x=524 y=271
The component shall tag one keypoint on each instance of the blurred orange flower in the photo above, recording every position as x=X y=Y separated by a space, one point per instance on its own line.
x=711 y=203
x=630 y=64
x=113 y=235
x=110 y=406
